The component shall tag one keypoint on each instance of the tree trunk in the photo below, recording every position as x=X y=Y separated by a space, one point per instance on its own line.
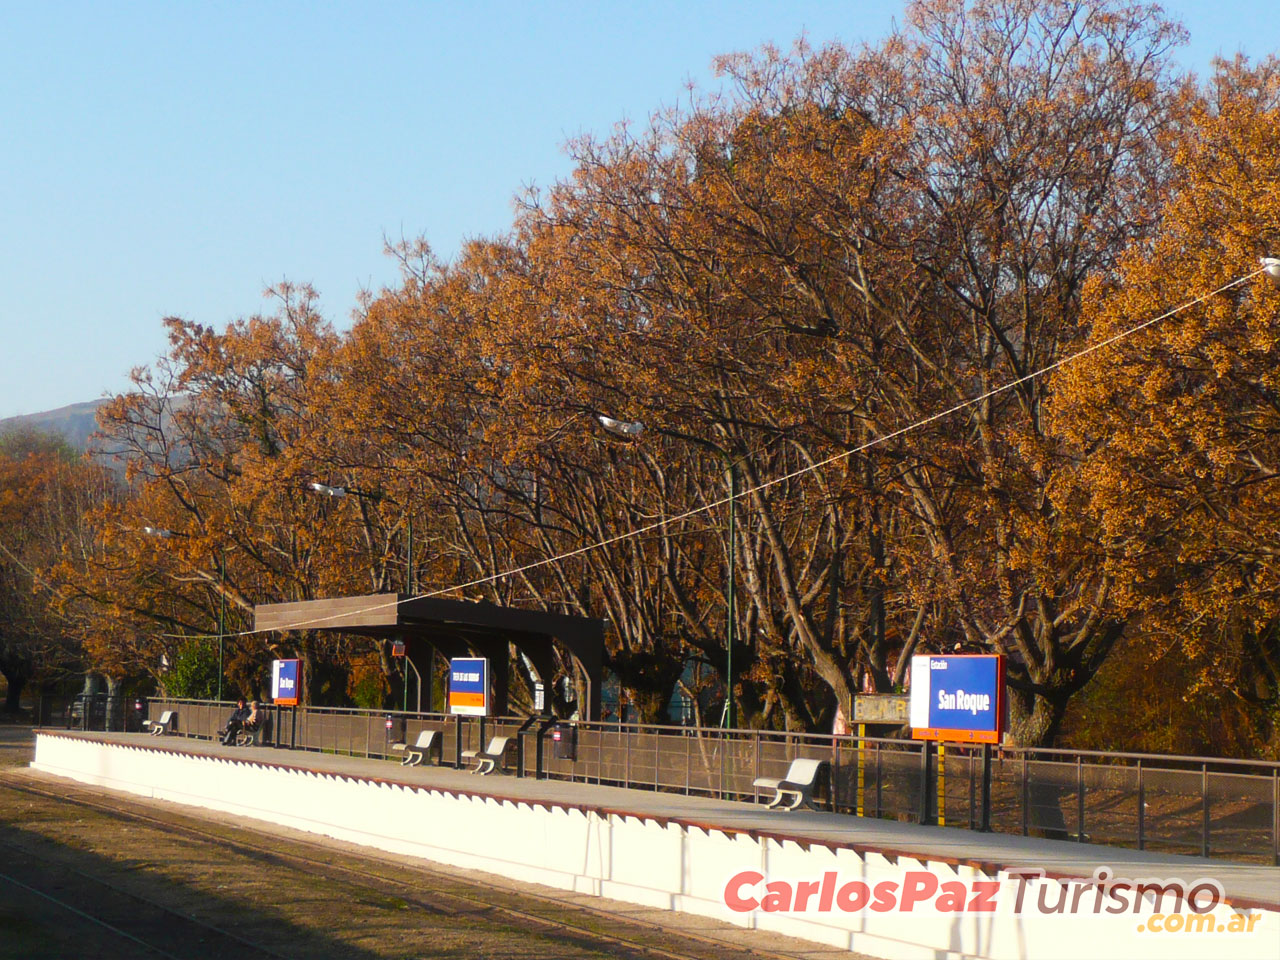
x=648 y=680
x=115 y=704
x=13 y=698
x=1034 y=719
x=1035 y=716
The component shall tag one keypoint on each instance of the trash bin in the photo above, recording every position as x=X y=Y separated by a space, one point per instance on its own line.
x=395 y=729
x=137 y=715
x=564 y=739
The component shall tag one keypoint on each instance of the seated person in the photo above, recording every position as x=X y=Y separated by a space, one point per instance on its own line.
x=254 y=719
x=235 y=724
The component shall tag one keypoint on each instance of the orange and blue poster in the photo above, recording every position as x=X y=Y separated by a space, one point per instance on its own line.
x=469 y=686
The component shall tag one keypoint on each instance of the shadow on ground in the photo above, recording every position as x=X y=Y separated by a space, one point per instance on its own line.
x=58 y=901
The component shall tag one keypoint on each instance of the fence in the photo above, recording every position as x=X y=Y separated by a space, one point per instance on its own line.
x=1192 y=805
x=91 y=711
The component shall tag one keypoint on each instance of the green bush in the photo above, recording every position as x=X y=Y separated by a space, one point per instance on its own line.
x=368 y=691
x=193 y=674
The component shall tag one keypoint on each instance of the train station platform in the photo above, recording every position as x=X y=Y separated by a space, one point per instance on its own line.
x=879 y=887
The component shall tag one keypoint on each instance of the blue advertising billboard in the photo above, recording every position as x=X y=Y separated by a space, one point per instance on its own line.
x=286 y=681
x=469 y=686
x=957 y=698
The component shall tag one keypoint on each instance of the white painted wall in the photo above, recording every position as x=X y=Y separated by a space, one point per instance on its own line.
x=635 y=860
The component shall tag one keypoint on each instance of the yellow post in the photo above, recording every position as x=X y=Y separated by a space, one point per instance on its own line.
x=862 y=732
x=942 y=785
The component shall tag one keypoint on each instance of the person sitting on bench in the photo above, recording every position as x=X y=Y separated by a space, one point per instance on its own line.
x=235 y=724
x=254 y=720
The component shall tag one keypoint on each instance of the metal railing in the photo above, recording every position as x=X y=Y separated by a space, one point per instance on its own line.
x=91 y=711
x=1201 y=806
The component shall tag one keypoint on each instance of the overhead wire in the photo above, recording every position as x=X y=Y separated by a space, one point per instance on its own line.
x=811 y=468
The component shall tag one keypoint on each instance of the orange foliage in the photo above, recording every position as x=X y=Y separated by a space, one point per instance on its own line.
x=1180 y=424
x=850 y=243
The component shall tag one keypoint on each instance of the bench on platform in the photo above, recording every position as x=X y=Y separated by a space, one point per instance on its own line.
x=799 y=782
x=252 y=736
x=168 y=720
x=488 y=759
x=428 y=740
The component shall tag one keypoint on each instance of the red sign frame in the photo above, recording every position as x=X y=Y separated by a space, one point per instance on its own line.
x=971 y=736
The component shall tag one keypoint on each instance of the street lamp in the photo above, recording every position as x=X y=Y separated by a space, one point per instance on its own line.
x=339 y=492
x=162 y=534
x=327 y=490
x=630 y=429
x=623 y=428
x=1271 y=267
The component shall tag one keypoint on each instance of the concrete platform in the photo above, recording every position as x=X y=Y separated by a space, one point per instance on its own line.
x=1246 y=885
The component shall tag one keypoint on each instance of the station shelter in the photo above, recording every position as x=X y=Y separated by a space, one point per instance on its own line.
x=431 y=626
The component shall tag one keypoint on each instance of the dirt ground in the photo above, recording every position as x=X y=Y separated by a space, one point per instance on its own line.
x=76 y=881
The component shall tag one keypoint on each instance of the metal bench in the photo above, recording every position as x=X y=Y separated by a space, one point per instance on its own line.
x=255 y=735
x=799 y=782
x=168 y=720
x=428 y=740
x=488 y=759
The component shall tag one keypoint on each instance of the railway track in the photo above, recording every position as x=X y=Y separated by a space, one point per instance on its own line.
x=540 y=914
x=173 y=920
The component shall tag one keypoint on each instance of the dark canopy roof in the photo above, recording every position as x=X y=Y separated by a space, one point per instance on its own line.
x=454 y=627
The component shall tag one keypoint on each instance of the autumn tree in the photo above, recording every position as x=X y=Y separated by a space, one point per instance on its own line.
x=503 y=474
x=45 y=490
x=861 y=240
x=1010 y=151
x=777 y=283
x=220 y=441
x=1178 y=425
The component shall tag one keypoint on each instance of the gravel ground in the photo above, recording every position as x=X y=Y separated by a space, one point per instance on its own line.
x=80 y=882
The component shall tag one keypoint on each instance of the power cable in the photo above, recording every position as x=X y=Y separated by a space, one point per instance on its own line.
x=811 y=468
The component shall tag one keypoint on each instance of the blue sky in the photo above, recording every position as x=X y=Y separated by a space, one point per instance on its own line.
x=176 y=158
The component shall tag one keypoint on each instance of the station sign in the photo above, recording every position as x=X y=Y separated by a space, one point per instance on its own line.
x=957 y=698
x=286 y=682
x=880 y=708
x=469 y=686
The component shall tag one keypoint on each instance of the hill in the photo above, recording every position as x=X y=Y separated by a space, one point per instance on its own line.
x=74 y=423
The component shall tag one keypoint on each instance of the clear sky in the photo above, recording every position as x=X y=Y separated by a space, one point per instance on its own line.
x=162 y=158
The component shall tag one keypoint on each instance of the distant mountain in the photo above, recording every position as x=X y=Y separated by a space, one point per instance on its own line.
x=73 y=423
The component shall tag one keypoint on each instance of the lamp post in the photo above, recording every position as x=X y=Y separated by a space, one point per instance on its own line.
x=631 y=430
x=731 y=714
x=340 y=492
x=163 y=534
x=326 y=490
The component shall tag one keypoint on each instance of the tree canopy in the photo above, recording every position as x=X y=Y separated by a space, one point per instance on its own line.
x=776 y=283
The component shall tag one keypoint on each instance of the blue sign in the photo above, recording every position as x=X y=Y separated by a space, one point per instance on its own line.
x=286 y=681
x=469 y=686
x=957 y=698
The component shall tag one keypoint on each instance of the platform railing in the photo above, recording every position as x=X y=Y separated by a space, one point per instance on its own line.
x=90 y=711
x=1205 y=806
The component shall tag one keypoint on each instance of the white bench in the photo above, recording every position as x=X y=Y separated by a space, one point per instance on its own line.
x=166 y=723
x=414 y=755
x=488 y=759
x=799 y=782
